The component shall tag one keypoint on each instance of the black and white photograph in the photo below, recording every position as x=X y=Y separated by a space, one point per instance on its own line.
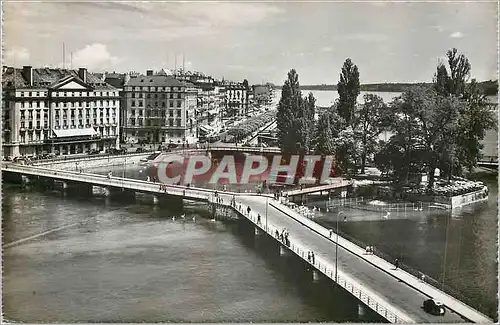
x=249 y=161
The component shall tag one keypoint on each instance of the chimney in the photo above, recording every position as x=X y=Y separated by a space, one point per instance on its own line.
x=82 y=73
x=28 y=74
x=149 y=73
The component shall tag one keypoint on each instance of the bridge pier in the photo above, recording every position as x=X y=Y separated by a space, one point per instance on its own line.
x=77 y=189
x=45 y=183
x=25 y=180
x=171 y=202
x=361 y=309
x=315 y=276
x=283 y=251
x=120 y=193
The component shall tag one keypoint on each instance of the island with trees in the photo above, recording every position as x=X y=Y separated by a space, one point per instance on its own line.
x=435 y=130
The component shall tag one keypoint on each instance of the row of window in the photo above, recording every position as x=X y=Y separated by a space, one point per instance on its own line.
x=130 y=88
x=168 y=134
x=171 y=122
x=67 y=94
x=44 y=104
x=72 y=122
x=149 y=113
x=156 y=95
x=64 y=112
x=163 y=104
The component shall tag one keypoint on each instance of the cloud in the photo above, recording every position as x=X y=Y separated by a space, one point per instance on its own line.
x=94 y=57
x=456 y=35
x=327 y=49
x=133 y=21
x=438 y=28
x=17 y=55
x=237 y=67
x=363 y=37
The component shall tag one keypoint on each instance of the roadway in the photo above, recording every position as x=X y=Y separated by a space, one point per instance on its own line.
x=375 y=274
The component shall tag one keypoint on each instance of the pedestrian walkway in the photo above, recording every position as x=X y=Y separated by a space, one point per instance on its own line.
x=378 y=277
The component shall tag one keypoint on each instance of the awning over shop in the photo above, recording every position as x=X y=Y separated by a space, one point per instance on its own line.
x=65 y=133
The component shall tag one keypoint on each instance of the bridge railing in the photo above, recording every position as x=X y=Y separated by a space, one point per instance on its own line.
x=75 y=159
x=229 y=148
x=418 y=274
x=119 y=182
x=372 y=301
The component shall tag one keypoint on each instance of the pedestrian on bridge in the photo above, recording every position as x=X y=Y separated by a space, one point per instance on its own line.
x=248 y=211
x=258 y=219
x=396 y=264
x=312 y=258
x=331 y=233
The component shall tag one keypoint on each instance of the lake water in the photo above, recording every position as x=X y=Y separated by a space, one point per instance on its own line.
x=326 y=98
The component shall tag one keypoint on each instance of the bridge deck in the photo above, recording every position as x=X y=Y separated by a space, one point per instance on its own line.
x=378 y=277
x=368 y=277
x=319 y=188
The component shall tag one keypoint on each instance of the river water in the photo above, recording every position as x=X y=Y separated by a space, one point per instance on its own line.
x=116 y=261
x=113 y=261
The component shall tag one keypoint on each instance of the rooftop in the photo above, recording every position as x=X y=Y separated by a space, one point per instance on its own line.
x=155 y=81
x=47 y=78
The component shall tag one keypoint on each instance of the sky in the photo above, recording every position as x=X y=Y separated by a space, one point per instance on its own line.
x=259 y=41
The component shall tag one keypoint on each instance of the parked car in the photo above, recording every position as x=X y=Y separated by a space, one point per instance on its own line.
x=93 y=152
x=140 y=149
x=434 y=307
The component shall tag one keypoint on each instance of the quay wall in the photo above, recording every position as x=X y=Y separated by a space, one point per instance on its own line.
x=464 y=199
x=93 y=162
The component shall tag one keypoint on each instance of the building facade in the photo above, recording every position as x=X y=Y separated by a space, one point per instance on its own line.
x=236 y=100
x=211 y=104
x=159 y=109
x=58 y=111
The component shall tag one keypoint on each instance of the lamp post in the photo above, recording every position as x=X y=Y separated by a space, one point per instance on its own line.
x=337 y=247
x=267 y=203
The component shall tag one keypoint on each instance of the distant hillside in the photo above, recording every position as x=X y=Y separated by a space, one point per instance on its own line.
x=489 y=88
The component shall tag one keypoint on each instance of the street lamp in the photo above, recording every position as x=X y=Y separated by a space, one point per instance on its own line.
x=267 y=203
x=337 y=246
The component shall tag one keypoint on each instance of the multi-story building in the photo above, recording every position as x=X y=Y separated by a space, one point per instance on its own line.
x=211 y=104
x=236 y=100
x=118 y=81
x=159 y=109
x=57 y=111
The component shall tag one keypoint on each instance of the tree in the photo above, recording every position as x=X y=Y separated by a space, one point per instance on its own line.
x=306 y=122
x=459 y=71
x=474 y=118
x=294 y=116
x=425 y=126
x=323 y=139
x=442 y=80
x=370 y=121
x=348 y=89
